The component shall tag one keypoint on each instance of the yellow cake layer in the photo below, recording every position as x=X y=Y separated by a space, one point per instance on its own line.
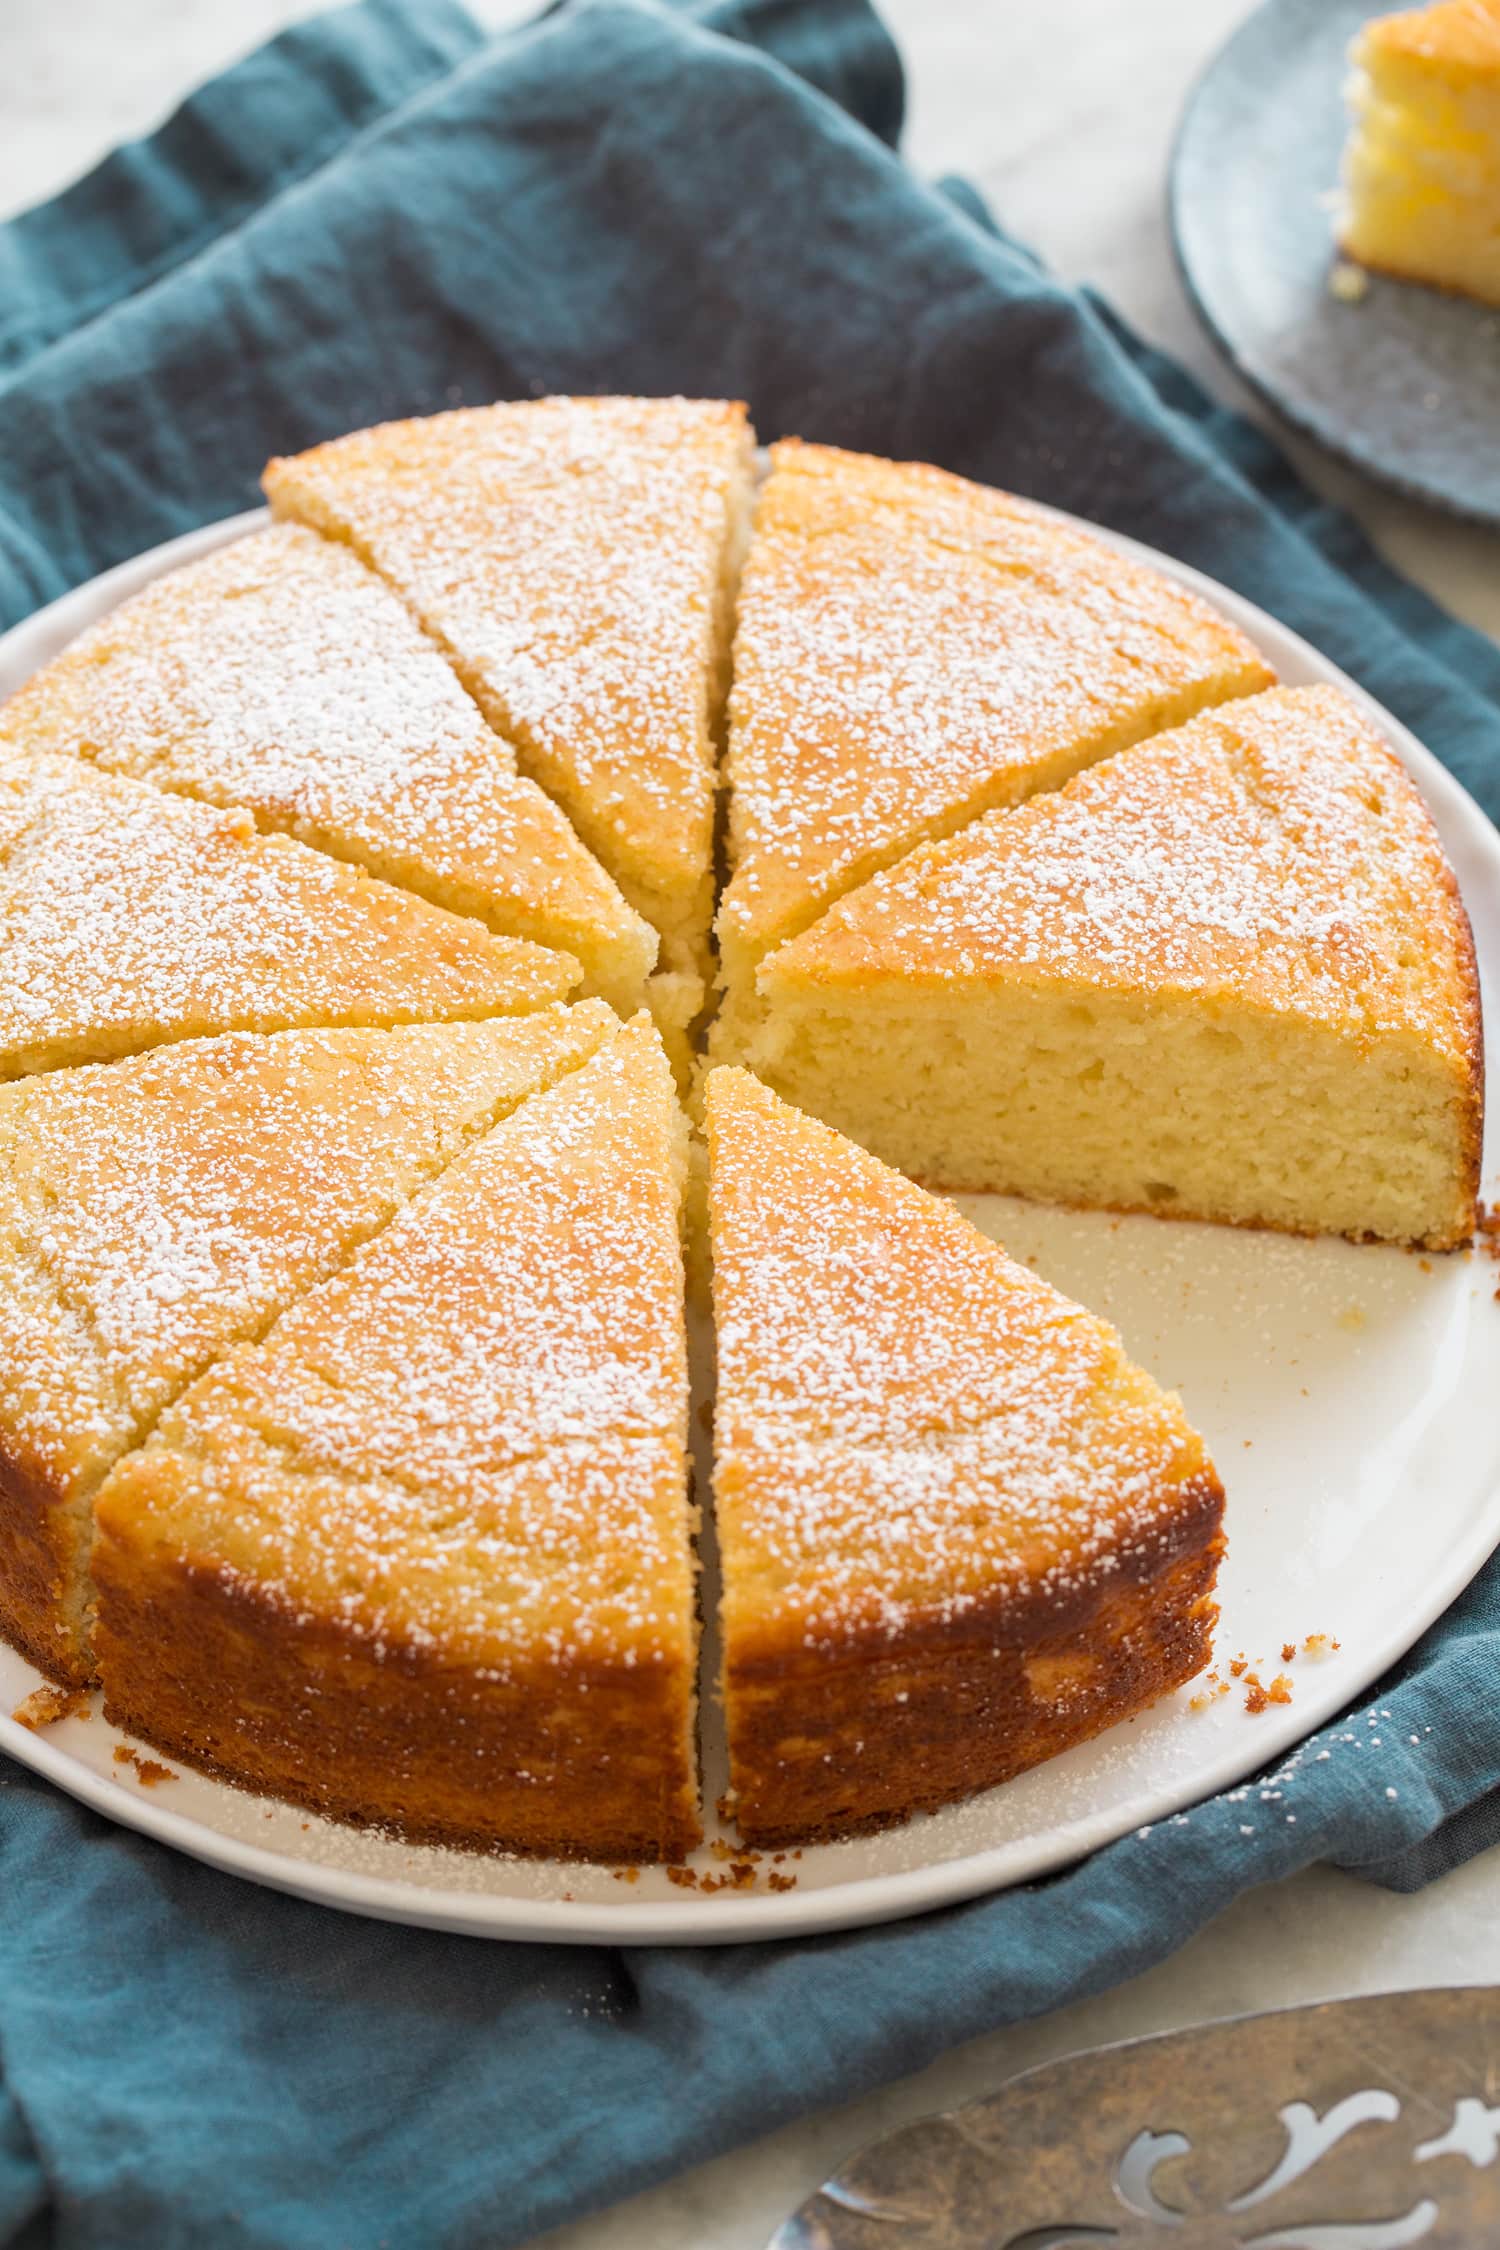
x=1421 y=188
x=1225 y=975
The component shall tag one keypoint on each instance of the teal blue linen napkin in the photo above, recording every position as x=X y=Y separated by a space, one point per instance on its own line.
x=383 y=212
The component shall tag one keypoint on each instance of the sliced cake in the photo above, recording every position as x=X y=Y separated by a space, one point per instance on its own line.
x=282 y=675
x=155 y=1210
x=959 y=1529
x=423 y=1556
x=1226 y=975
x=576 y=559
x=1422 y=169
x=129 y=917
x=913 y=650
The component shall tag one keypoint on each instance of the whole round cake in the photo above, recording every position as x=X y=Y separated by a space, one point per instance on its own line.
x=367 y=987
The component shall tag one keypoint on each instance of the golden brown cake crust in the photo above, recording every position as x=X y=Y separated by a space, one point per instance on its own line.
x=860 y=1737
x=38 y=1563
x=154 y=1210
x=556 y=1763
x=423 y=1554
x=1470 y=1012
x=1394 y=272
x=958 y=1528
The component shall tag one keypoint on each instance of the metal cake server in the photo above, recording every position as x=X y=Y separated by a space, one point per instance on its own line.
x=1356 y=2125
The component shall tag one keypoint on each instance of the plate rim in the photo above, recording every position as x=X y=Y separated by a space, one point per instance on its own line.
x=1367 y=460
x=727 y=1918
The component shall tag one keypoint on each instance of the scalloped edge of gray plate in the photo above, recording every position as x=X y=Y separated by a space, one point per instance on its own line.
x=1403 y=383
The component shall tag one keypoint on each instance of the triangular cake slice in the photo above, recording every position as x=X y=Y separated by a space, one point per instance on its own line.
x=959 y=1529
x=129 y=917
x=1422 y=168
x=423 y=1556
x=1226 y=975
x=913 y=650
x=156 y=1210
x=282 y=675
x=575 y=558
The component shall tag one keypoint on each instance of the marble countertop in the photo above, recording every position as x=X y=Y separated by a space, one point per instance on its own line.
x=1026 y=101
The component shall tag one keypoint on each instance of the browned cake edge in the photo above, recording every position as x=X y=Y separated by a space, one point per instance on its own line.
x=39 y=1565
x=592 y=1762
x=825 y=1745
x=1467 y=967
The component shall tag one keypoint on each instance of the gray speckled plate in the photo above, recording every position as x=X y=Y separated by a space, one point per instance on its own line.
x=1406 y=382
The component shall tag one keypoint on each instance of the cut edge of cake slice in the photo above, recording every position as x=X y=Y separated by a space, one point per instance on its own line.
x=423 y=1556
x=596 y=637
x=1421 y=175
x=1225 y=975
x=913 y=650
x=157 y=1210
x=131 y=917
x=281 y=675
x=959 y=1529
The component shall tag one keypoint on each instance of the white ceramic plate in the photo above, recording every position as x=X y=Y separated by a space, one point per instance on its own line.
x=1347 y=1395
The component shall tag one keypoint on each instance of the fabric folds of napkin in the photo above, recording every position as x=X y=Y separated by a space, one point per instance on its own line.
x=387 y=212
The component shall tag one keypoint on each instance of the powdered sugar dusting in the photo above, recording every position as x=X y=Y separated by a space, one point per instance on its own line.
x=911 y=650
x=128 y=917
x=278 y=669
x=475 y=1435
x=566 y=553
x=154 y=1210
x=1273 y=850
x=282 y=675
x=495 y=1487
x=907 y=1420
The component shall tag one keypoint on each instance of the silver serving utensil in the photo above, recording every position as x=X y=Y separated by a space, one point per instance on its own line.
x=1356 y=2125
